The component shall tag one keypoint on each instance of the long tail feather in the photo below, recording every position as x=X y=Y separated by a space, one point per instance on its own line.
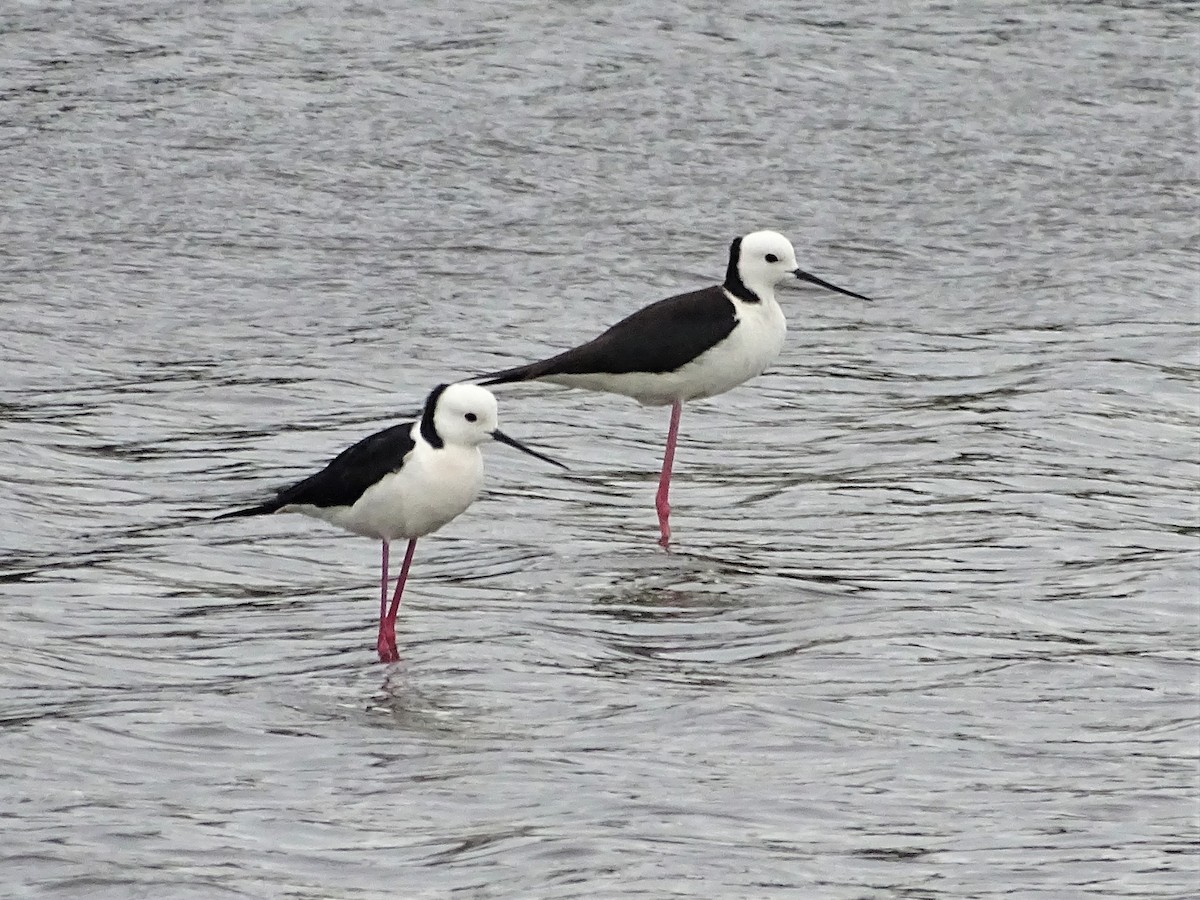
x=261 y=510
x=527 y=372
x=504 y=377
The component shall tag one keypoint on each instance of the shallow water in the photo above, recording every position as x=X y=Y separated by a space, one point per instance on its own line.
x=929 y=629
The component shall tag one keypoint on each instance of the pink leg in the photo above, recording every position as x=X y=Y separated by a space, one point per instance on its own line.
x=390 y=624
x=381 y=644
x=664 y=480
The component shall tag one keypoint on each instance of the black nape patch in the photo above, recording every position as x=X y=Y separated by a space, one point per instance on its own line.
x=428 y=429
x=733 y=280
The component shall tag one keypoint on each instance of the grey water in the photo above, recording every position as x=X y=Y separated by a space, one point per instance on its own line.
x=929 y=629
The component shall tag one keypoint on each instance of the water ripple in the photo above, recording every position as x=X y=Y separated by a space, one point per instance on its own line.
x=930 y=626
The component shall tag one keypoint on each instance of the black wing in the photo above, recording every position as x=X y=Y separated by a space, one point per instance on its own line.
x=347 y=476
x=658 y=338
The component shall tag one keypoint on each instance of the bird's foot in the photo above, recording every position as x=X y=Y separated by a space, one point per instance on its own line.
x=664 y=530
x=385 y=646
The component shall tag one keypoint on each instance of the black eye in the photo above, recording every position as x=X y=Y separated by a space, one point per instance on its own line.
x=771 y=257
x=470 y=417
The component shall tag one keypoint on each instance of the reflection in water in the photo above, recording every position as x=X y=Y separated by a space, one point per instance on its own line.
x=930 y=622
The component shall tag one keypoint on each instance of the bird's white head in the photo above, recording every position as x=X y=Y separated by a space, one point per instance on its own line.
x=757 y=262
x=462 y=414
x=760 y=260
x=466 y=415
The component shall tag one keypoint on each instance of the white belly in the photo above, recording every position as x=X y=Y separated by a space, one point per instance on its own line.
x=753 y=345
x=431 y=488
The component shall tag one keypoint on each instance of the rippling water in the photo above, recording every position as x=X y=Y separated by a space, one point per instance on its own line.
x=931 y=623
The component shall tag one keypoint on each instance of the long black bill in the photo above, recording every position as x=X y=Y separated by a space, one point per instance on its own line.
x=813 y=279
x=505 y=439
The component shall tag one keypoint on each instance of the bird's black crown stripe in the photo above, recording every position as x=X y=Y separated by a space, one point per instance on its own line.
x=733 y=280
x=428 y=429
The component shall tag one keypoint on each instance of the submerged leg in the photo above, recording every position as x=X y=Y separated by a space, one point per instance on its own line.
x=381 y=644
x=664 y=480
x=389 y=627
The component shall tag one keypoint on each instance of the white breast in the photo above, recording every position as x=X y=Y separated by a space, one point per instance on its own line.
x=433 y=487
x=750 y=348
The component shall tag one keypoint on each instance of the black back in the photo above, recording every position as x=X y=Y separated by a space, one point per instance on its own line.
x=661 y=337
x=347 y=476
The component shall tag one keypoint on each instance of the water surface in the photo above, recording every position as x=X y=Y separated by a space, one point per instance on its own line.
x=929 y=629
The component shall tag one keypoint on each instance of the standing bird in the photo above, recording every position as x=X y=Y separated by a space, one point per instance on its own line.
x=403 y=482
x=686 y=347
